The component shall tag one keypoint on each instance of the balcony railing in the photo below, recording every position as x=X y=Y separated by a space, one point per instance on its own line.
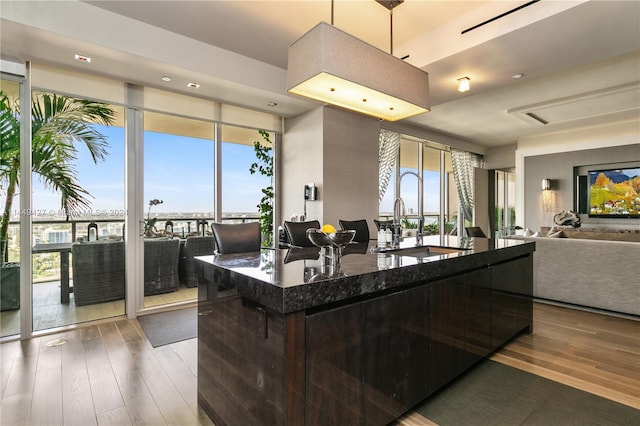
x=66 y=231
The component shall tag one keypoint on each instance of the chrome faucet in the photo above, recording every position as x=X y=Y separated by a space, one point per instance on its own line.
x=398 y=211
x=419 y=232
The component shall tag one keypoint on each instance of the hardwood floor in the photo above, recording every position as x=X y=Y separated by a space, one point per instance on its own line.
x=109 y=374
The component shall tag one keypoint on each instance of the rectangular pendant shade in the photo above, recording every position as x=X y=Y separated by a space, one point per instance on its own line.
x=329 y=65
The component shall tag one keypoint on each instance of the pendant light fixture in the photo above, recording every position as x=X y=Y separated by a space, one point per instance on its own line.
x=331 y=66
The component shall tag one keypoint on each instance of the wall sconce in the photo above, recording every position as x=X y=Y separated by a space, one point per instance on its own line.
x=546 y=194
x=546 y=184
x=464 y=84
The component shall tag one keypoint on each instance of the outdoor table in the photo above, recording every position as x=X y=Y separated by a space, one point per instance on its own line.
x=64 y=249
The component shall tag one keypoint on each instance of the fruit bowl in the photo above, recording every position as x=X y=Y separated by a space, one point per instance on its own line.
x=338 y=239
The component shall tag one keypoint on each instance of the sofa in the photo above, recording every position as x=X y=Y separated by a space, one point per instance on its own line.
x=598 y=274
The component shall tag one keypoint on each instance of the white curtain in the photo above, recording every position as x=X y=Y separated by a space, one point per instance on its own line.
x=463 y=164
x=388 y=150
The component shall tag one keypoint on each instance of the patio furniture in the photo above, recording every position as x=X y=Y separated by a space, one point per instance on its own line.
x=98 y=271
x=194 y=246
x=161 y=265
x=10 y=286
x=297 y=232
x=202 y=227
x=360 y=226
x=236 y=237
x=64 y=249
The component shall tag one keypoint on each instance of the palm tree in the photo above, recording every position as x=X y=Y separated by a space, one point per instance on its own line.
x=58 y=125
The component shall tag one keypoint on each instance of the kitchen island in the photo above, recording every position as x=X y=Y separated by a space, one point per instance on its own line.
x=289 y=337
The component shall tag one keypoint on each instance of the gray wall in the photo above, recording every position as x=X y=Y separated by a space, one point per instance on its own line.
x=561 y=168
x=338 y=150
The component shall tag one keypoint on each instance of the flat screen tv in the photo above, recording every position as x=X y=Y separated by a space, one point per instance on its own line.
x=614 y=193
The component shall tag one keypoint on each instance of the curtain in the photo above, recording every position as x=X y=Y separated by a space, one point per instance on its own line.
x=388 y=150
x=463 y=164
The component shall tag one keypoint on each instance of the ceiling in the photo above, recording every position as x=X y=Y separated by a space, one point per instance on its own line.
x=580 y=60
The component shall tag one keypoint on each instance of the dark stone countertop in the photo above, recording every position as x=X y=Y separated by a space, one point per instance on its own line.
x=289 y=280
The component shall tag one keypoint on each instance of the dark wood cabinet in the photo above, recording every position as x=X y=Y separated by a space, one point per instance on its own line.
x=364 y=362
x=512 y=308
x=448 y=317
x=396 y=354
x=478 y=294
x=334 y=366
x=460 y=310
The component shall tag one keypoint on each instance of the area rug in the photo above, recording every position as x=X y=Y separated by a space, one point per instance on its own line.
x=496 y=394
x=170 y=327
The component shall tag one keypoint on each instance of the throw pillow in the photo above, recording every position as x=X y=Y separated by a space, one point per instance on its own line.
x=528 y=232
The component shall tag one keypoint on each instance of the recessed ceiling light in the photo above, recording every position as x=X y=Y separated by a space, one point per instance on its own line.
x=166 y=78
x=517 y=76
x=193 y=85
x=83 y=58
x=272 y=104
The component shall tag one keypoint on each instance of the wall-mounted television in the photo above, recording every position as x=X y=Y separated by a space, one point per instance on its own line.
x=614 y=193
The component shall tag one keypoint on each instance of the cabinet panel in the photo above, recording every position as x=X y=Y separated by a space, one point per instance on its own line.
x=478 y=320
x=447 y=323
x=512 y=307
x=334 y=366
x=396 y=354
x=240 y=362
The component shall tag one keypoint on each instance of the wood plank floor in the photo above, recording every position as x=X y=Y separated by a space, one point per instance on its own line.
x=109 y=374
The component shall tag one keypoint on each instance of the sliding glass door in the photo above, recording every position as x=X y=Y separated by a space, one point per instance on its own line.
x=179 y=202
x=423 y=180
x=10 y=201
x=78 y=210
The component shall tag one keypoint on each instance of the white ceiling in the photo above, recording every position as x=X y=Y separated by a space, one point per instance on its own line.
x=581 y=60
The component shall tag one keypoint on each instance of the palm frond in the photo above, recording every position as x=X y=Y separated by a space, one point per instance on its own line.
x=71 y=120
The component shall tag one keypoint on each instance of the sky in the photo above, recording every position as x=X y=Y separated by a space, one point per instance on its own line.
x=178 y=170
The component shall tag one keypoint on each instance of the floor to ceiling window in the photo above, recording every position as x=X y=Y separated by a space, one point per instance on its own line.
x=78 y=210
x=179 y=198
x=505 y=203
x=422 y=166
x=82 y=195
x=247 y=177
x=10 y=237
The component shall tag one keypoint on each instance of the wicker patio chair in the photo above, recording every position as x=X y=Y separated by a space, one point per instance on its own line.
x=161 y=265
x=194 y=246
x=98 y=271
